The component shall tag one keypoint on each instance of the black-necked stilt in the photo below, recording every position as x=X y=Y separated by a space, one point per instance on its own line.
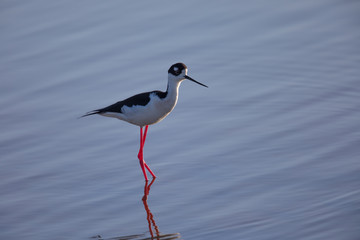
x=148 y=108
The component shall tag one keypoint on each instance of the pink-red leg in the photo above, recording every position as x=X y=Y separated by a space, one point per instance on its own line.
x=147 y=166
x=141 y=156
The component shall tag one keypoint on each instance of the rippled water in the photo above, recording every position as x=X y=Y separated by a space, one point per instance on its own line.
x=269 y=151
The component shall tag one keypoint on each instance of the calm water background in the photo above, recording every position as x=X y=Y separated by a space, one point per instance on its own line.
x=269 y=151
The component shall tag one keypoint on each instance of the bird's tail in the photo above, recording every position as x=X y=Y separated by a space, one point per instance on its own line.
x=91 y=113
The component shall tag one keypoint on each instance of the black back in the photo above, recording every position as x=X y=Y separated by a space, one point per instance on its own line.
x=138 y=99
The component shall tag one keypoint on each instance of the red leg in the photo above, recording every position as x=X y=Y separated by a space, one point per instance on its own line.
x=143 y=142
x=140 y=155
x=145 y=133
x=151 y=172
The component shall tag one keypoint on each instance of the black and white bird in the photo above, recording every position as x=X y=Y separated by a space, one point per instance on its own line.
x=148 y=108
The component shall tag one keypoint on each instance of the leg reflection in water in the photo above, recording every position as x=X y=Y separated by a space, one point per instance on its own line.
x=149 y=215
x=153 y=228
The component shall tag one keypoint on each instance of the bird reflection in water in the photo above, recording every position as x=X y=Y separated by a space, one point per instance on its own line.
x=153 y=228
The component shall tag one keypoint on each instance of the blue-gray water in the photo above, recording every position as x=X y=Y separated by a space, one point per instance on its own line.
x=269 y=151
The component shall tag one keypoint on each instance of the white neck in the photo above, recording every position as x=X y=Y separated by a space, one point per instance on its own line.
x=173 y=91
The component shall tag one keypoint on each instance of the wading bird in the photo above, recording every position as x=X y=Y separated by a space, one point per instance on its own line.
x=148 y=108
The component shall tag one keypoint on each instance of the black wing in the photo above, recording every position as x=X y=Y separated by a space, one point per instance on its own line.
x=139 y=99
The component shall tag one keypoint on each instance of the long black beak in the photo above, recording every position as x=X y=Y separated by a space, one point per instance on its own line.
x=187 y=77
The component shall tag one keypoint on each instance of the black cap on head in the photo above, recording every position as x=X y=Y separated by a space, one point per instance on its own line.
x=177 y=68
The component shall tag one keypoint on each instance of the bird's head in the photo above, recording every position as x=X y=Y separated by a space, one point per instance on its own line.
x=178 y=73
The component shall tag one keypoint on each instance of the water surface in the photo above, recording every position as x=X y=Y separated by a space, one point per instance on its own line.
x=269 y=151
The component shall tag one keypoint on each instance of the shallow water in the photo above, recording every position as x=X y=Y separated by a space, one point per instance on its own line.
x=269 y=151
